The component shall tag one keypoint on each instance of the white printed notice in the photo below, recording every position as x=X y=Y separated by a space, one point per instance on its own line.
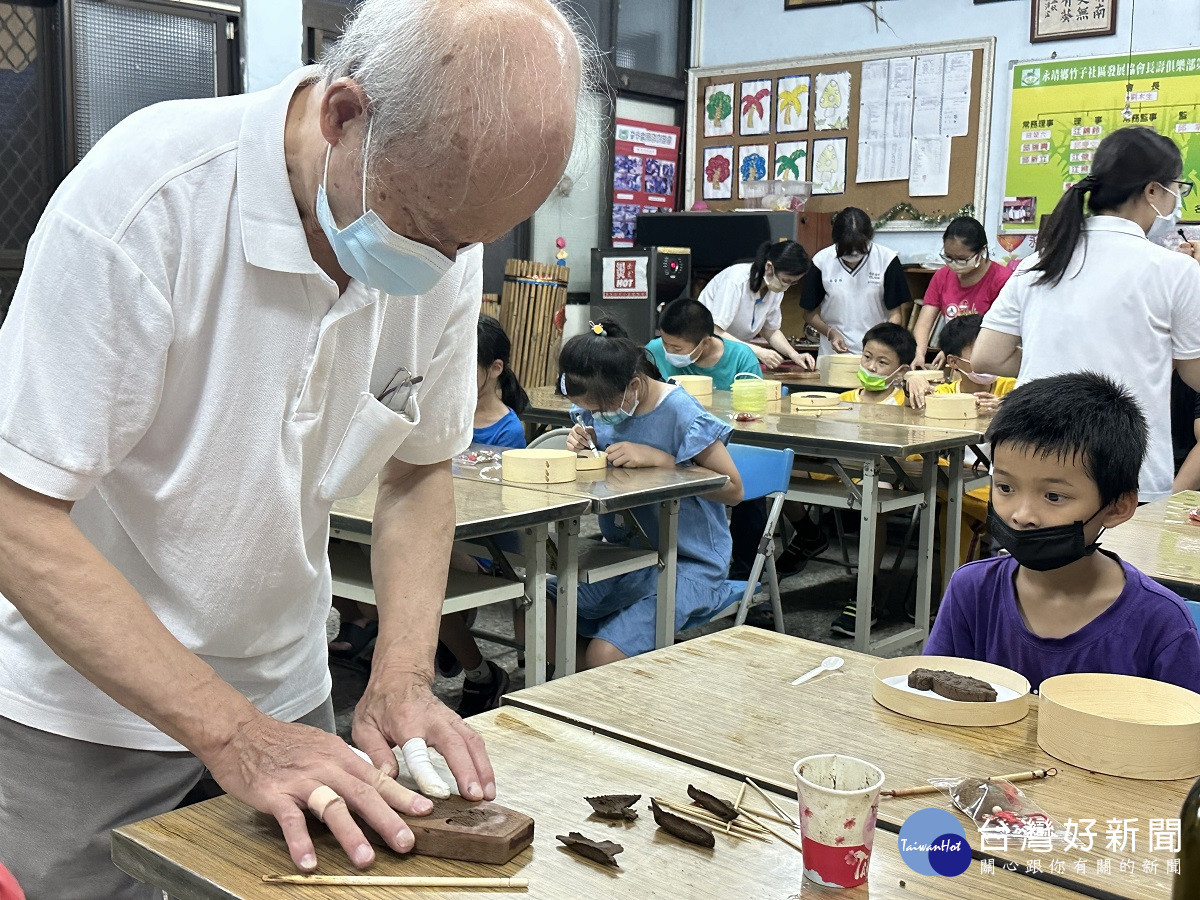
x=898 y=142
x=872 y=120
x=930 y=176
x=927 y=96
x=956 y=93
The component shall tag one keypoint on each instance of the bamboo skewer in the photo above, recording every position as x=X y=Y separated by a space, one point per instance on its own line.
x=787 y=840
x=770 y=816
x=773 y=804
x=1034 y=775
x=743 y=829
x=399 y=881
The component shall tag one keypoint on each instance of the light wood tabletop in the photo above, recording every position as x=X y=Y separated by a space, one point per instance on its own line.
x=726 y=701
x=1161 y=541
x=220 y=849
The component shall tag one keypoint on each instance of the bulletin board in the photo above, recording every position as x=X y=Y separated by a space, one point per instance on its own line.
x=1062 y=108
x=784 y=78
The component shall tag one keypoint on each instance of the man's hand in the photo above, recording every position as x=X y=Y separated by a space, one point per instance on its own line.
x=804 y=361
x=275 y=767
x=628 y=455
x=581 y=438
x=766 y=356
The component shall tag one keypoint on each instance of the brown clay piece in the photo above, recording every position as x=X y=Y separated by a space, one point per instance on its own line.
x=715 y=805
x=603 y=852
x=615 y=806
x=952 y=686
x=682 y=828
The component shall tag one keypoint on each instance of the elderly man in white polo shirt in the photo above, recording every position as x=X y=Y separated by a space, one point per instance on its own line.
x=234 y=312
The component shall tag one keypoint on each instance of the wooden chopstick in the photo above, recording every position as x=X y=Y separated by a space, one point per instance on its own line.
x=772 y=804
x=1033 y=775
x=398 y=881
x=787 y=840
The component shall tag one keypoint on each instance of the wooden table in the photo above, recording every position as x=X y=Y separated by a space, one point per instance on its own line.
x=725 y=702
x=876 y=440
x=1161 y=542
x=219 y=849
x=483 y=509
x=613 y=490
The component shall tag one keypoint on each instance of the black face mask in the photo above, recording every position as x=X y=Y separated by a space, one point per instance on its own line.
x=1042 y=549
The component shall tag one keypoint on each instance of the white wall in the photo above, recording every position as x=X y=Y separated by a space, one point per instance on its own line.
x=733 y=32
x=274 y=41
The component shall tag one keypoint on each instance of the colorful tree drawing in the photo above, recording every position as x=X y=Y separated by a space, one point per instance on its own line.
x=754 y=167
x=791 y=165
x=717 y=170
x=753 y=103
x=791 y=101
x=720 y=106
x=826 y=167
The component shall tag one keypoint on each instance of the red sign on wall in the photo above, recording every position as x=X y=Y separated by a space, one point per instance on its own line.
x=645 y=173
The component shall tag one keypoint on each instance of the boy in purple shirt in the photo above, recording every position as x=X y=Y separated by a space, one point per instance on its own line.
x=1066 y=453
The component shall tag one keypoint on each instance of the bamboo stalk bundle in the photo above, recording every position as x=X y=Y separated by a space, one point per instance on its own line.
x=533 y=295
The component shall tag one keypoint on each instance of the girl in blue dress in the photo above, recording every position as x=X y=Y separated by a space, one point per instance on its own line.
x=642 y=422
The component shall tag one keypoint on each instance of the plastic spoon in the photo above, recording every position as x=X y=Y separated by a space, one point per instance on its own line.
x=829 y=664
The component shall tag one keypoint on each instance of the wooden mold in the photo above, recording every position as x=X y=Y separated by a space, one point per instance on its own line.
x=950 y=406
x=587 y=461
x=1011 y=707
x=537 y=466
x=482 y=832
x=700 y=386
x=1121 y=725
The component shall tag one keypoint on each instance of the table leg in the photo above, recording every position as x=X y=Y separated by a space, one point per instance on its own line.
x=929 y=474
x=534 y=548
x=668 y=552
x=954 y=493
x=866 y=555
x=567 y=609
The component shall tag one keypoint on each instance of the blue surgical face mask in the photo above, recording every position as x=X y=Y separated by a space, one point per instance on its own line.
x=1164 y=225
x=619 y=415
x=683 y=360
x=371 y=253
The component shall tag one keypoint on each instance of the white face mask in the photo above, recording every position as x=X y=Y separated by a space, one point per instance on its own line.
x=1164 y=225
x=962 y=266
x=683 y=360
x=772 y=281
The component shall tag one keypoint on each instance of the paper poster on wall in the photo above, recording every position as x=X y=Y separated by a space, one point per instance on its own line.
x=927 y=96
x=718 y=110
x=752 y=165
x=791 y=160
x=956 y=93
x=832 y=112
x=930 y=172
x=718 y=173
x=645 y=162
x=829 y=166
x=792 y=104
x=756 y=107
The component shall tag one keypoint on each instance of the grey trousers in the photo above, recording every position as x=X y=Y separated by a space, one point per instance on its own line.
x=60 y=798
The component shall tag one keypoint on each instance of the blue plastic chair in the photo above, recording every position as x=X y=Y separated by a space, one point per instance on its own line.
x=1194 y=608
x=765 y=473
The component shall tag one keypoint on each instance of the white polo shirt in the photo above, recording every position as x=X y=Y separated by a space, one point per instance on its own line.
x=1125 y=308
x=176 y=363
x=736 y=309
x=854 y=301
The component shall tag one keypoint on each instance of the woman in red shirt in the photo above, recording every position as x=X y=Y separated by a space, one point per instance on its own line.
x=968 y=283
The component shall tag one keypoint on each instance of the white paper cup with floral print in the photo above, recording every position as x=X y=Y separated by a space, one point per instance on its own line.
x=839 y=803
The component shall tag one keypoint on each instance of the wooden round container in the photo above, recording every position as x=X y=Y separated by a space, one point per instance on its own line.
x=537 y=466
x=587 y=461
x=951 y=712
x=697 y=385
x=843 y=370
x=815 y=400
x=1121 y=725
x=951 y=407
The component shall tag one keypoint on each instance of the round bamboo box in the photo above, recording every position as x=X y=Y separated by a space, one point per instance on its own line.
x=1121 y=725
x=587 y=461
x=537 y=466
x=891 y=690
x=696 y=385
x=815 y=400
x=951 y=407
x=840 y=369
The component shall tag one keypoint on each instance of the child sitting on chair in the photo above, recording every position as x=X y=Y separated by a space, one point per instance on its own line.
x=1066 y=454
x=887 y=353
x=689 y=345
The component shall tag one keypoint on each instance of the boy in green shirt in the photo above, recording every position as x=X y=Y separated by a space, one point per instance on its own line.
x=690 y=346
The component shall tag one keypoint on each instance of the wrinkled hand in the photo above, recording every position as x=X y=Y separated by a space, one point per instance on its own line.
x=804 y=361
x=398 y=706
x=838 y=341
x=767 y=357
x=628 y=455
x=987 y=402
x=915 y=389
x=578 y=438
x=275 y=767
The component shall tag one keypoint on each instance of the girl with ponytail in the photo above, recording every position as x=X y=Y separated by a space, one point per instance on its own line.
x=1099 y=296
x=501 y=399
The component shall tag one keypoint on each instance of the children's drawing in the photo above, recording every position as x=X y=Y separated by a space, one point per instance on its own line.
x=791 y=160
x=832 y=111
x=752 y=165
x=756 y=107
x=829 y=166
x=718 y=110
x=718 y=173
x=792 y=104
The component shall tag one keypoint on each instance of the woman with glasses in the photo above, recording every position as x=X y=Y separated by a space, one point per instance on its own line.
x=1099 y=296
x=858 y=283
x=967 y=285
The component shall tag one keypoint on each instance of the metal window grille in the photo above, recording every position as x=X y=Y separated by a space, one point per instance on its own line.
x=25 y=176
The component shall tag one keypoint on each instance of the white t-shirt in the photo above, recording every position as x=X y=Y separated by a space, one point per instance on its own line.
x=1125 y=308
x=736 y=309
x=855 y=301
x=177 y=364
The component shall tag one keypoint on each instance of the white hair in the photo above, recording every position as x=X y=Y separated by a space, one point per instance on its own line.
x=416 y=59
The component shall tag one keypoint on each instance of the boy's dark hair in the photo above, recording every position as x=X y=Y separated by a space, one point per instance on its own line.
x=600 y=366
x=495 y=345
x=1084 y=415
x=688 y=319
x=786 y=257
x=959 y=333
x=852 y=231
x=896 y=338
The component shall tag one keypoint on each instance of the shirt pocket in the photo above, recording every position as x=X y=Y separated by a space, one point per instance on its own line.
x=373 y=435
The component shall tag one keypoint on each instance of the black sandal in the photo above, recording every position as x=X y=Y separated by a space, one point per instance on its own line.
x=359 y=637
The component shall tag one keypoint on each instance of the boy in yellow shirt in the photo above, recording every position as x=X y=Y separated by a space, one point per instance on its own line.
x=888 y=351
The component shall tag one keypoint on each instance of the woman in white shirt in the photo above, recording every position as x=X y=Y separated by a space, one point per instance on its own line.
x=744 y=300
x=1099 y=296
x=857 y=284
